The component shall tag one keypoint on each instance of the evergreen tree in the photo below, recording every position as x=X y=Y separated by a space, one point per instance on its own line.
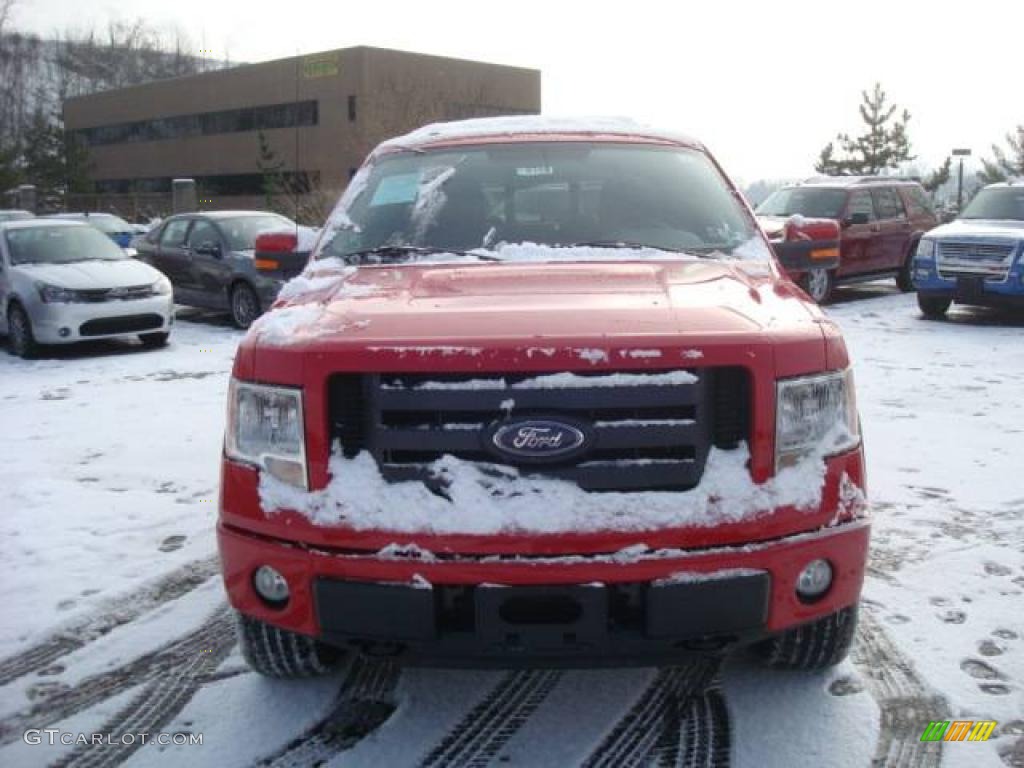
x=55 y=163
x=1006 y=164
x=269 y=166
x=883 y=146
x=938 y=177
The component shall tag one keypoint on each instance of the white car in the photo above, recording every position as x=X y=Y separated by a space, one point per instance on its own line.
x=64 y=281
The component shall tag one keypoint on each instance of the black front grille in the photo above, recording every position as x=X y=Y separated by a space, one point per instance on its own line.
x=651 y=430
x=94 y=296
x=103 y=326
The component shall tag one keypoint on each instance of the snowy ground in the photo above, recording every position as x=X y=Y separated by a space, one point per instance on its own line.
x=113 y=618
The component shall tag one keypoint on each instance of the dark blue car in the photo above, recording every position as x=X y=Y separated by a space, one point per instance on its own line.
x=114 y=227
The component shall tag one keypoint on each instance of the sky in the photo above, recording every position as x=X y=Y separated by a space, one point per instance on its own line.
x=764 y=84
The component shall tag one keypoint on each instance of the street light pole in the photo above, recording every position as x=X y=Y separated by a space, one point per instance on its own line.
x=961 y=153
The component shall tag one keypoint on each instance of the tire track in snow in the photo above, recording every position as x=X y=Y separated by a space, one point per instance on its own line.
x=159 y=703
x=699 y=736
x=679 y=719
x=481 y=734
x=365 y=702
x=906 y=703
x=214 y=638
x=122 y=610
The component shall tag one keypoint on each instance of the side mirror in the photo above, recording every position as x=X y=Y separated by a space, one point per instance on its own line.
x=855 y=218
x=801 y=228
x=209 y=248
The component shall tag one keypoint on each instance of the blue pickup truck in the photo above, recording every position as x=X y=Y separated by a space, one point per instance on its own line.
x=977 y=259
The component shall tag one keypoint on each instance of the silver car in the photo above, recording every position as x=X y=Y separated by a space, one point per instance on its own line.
x=63 y=281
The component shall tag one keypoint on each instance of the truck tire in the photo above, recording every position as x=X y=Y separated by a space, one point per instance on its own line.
x=19 y=332
x=818 y=645
x=819 y=283
x=245 y=305
x=275 y=652
x=933 y=307
x=905 y=277
x=154 y=340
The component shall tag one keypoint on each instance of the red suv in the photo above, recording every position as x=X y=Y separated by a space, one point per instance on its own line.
x=881 y=221
x=542 y=396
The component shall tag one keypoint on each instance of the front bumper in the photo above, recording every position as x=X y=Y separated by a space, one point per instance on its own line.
x=60 y=323
x=971 y=290
x=579 y=610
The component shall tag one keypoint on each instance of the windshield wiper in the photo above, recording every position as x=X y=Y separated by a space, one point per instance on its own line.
x=395 y=254
x=628 y=244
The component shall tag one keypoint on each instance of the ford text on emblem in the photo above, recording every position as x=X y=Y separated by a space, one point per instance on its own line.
x=537 y=439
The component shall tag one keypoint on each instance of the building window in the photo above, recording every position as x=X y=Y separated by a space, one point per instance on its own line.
x=291 y=115
x=352 y=108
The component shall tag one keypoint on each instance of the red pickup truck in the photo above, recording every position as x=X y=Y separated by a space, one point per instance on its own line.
x=544 y=397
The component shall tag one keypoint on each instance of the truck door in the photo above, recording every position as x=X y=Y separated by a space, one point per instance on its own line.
x=893 y=236
x=859 y=226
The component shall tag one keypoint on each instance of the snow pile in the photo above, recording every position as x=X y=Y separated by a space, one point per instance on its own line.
x=564 y=381
x=287 y=325
x=491 y=499
x=328 y=275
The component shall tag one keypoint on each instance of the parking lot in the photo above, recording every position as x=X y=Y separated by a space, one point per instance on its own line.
x=116 y=619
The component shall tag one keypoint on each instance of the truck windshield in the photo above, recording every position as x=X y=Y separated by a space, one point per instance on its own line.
x=806 y=201
x=55 y=244
x=997 y=203
x=554 y=195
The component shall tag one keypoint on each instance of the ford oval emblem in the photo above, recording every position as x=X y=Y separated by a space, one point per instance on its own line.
x=538 y=440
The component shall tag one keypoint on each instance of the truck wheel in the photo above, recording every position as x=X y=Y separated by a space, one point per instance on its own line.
x=245 y=305
x=933 y=307
x=277 y=652
x=818 y=645
x=154 y=340
x=19 y=333
x=904 y=278
x=818 y=284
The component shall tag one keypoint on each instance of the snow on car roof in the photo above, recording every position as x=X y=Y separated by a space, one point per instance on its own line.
x=481 y=127
x=42 y=221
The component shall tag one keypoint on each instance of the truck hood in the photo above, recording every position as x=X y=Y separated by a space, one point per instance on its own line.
x=92 y=275
x=529 y=303
x=970 y=229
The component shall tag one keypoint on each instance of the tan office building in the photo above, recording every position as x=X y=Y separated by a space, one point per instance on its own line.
x=319 y=115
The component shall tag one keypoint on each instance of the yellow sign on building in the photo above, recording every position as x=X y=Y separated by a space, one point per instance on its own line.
x=323 y=65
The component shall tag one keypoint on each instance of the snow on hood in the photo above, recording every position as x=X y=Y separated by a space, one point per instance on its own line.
x=421 y=302
x=358 y=497
x=980 y=228
x=92 y=275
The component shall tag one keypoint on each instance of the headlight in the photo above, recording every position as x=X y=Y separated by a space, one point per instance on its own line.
x=926 y=249
x=131 y=252
x=815 y=415
x=265 y=429
x=162 y=287
x=52 y=294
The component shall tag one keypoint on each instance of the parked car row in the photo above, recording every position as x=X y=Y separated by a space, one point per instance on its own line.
x=887 y=227
x=880 y=220
x=71 y=277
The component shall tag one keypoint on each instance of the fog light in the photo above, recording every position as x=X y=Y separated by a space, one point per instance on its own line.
x=64 y=332
x=814 y=580
x=270 y=585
